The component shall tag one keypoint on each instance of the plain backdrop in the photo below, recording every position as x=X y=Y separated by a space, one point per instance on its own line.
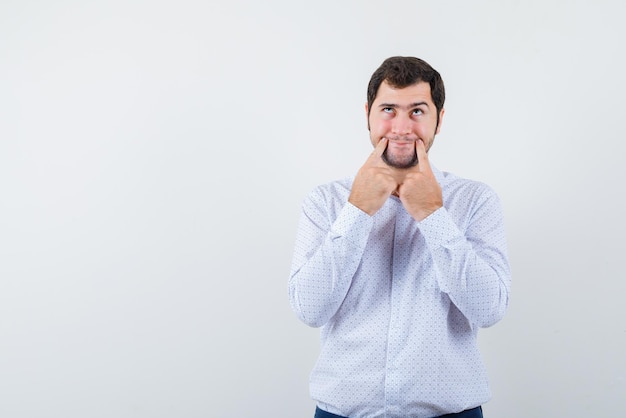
x=154 y=156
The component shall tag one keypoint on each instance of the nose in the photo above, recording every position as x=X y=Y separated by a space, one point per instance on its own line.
x=402 y=125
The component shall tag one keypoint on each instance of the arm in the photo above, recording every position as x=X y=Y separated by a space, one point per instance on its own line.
x=472 y=265
x=331 y=241
x=326 y=256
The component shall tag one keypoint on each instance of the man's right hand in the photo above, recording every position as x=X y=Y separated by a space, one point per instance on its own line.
x=374 y=182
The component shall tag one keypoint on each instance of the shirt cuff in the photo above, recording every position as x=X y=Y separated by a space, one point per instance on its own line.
x=353 y=225
x=439 y=229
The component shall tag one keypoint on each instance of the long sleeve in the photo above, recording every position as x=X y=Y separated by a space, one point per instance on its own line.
x=472 y=265
x=400 y=301
x=328 y=250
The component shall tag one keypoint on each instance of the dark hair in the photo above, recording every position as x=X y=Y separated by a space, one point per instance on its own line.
x=401 y=72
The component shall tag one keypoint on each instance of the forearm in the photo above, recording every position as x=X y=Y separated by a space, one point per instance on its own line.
x=325 y=261
x=472 y=268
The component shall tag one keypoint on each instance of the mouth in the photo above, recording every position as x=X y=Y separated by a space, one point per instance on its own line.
x=400 y=153
x=401 y=141
x=401 y=144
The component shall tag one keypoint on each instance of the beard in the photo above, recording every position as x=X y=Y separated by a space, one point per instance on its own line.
x=399 y=161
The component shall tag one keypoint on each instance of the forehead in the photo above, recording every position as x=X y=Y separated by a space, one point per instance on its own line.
x=418 y=92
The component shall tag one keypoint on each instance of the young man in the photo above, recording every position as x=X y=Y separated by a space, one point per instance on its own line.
x=400 y=265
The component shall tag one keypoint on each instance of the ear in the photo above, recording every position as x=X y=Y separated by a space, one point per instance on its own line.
x=440 y=121
x=367 y=117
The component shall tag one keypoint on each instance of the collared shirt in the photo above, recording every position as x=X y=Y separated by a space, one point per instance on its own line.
x=400 y=301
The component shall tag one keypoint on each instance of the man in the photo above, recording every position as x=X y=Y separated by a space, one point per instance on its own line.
x=400 y=265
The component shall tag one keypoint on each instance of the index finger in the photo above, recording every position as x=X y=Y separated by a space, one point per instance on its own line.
x=422 y=156
x=380 y=147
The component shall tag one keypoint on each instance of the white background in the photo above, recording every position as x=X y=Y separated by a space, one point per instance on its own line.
x=154 y=155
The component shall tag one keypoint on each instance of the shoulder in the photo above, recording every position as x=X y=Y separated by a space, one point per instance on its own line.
x=337 y=189
x=329 y=196
x=456 y=182
x=463 y=190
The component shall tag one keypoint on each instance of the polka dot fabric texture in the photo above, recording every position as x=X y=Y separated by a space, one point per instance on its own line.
x=399 y=302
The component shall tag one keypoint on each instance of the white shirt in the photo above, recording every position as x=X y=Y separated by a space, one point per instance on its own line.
x=400 y=301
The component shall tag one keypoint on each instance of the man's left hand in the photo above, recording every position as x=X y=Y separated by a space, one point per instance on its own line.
x=420 y=193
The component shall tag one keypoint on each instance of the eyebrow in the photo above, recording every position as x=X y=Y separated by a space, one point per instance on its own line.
x=396 y=106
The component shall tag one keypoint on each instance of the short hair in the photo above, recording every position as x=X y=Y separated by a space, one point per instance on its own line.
x=401 y=72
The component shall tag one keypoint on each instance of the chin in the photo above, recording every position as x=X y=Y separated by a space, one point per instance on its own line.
x=401 y=163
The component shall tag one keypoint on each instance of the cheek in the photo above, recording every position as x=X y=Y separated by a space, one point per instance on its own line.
x=426 y=131
x=379 y=127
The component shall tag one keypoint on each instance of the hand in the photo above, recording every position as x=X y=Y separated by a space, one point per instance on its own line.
x=419 y=192
x=374 y=182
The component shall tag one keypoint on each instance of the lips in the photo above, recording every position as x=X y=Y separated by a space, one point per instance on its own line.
x=401 y=144
x=402 y=141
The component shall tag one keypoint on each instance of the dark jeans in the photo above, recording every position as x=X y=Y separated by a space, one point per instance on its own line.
x=470 y=413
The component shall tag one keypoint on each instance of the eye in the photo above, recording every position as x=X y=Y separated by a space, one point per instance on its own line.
x=418 y=112
x=387 y=109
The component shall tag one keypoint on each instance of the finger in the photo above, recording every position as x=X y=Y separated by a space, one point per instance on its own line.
x=422 y=156
x=380 y=147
